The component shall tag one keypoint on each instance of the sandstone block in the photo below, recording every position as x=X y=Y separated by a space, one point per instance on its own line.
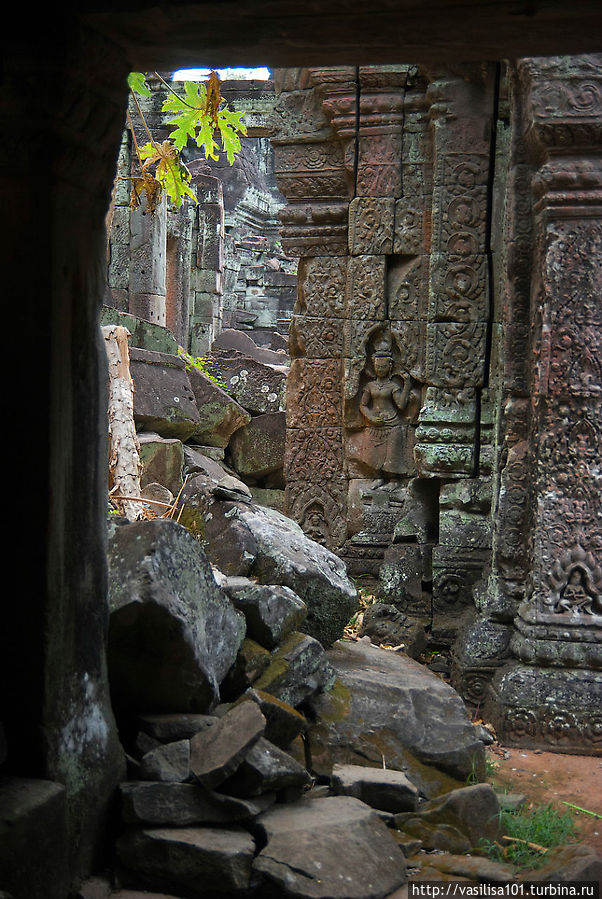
x=384 y=789
x=172 y=634
x=308 y=853
x=216 y=752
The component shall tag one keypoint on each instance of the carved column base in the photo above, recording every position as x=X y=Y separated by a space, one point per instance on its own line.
x=550 y=709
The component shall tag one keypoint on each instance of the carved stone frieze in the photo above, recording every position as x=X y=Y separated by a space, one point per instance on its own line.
x=320 y=509
x=548 y=708
x=322 y=286
x=366 y=288
x=407 y=287
x=459 y=288
x=314 y=394
x=316 y=338
x=455 y=354
x=314 y=455
x=371 y=225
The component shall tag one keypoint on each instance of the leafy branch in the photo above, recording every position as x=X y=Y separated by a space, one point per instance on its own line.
x=201 y=115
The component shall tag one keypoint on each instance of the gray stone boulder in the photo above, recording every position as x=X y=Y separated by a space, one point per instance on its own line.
x=197 y=860
x=266 y=768
x=283 y=722
x=219 y=414
x=233 y=339
x=169 y=762
x=163 y=399
x=331 y=848
x=173 y=635
x=299 y=669
x=251 y=661
x=257 y=449
x=385 y=708
x=170 y=728
x=384 y=624
x=457 y=821
x=245 y=539
x=217 y=752
x=271 y=612
x=380 y=788
x=579 y=862
x=180 y=805
x=257 y=387
x=162 y=461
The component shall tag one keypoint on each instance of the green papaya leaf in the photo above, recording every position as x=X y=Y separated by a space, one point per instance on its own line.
x=137 y=83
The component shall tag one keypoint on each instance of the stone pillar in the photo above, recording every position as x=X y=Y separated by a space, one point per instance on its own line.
x=207 y=265
x=551 y=696
x=314 y=170
x=56 y=709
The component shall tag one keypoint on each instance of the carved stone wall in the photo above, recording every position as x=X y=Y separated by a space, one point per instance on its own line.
x=443 y=422
x=387 y=172
x=550 y=697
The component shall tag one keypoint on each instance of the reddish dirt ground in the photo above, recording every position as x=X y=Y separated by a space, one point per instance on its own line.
x=548 y=777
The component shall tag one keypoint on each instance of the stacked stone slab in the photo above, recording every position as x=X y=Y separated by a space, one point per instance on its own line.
x=221 y=796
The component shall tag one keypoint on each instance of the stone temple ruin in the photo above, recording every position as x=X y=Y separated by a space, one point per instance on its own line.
x=441 y=415
x=442 y=404
x=441 y=427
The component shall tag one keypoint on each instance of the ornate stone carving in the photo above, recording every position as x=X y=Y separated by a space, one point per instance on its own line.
x=322 y=286
x=576 y=584
x=381 y=446
x=319 y=509
x=459 y=288
x=314 y=455
x=456 y=354
x=407 y=287
x=366 y=297
x=371 y=225
x=445 y=436
x=314 y=394
x=316 y=338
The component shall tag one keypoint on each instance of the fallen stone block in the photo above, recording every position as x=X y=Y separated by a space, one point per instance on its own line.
x=216 y=752
x=271 y=612
x=257 y=449
x=334 y=848
x=385 y=706
x=169 y=728
x=580 y=863
x=299 y=669
x=380 y=788
x=33 y=815
x=219 y=414
x=251 y=661
x=162 y=461
x=283 y=722
x=249 y=540
x=266 y=768
x=180 y=805
x=197 y=859
x=169 y=762
x=483 y=870
x=386 y=625
x=173 y=635
x=472 y=812
x=163 y=398
x=257 y=386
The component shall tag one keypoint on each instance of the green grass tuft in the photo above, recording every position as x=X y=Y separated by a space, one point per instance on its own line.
x=544 y=826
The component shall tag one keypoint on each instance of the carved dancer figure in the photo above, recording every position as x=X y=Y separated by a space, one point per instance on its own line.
x=381 y=444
